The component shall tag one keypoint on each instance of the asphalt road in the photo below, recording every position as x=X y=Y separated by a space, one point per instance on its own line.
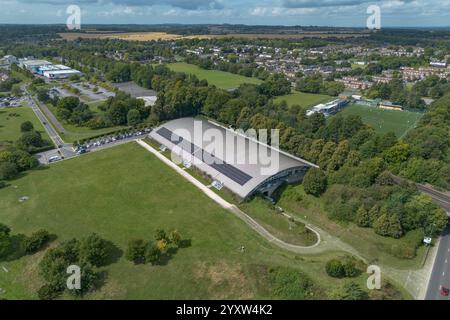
x=62 y=148
x=441 y=269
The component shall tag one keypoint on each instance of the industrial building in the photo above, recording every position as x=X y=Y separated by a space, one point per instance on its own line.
x=61 y=74
x=48 y=69
x=231 y=159
x=33 y=65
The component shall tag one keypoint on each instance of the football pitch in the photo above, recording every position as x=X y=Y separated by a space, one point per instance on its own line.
x=384 y=121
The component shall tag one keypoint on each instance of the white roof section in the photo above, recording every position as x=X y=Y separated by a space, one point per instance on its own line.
x=32 y=63
x=59 y=72
x=149 y=100
x=241 y=164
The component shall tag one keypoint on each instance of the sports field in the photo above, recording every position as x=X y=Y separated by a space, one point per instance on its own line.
x=220 y=79
x=304 y=100
x=384 y=121
x=12 y=118
x=124 y=193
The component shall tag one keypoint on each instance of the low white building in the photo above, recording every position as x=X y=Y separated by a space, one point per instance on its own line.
x=61 y=74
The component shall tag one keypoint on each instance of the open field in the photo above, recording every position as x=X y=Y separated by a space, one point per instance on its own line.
x=150 y=36
x=124 y=193
x=305 y=100
x=130 y=36
x=12 y=118
x=220 y=79
x=384 y=121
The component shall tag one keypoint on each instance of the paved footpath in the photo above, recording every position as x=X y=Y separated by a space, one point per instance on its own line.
x=325 y=241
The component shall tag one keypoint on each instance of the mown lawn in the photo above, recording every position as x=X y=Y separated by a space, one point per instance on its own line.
x=384 y=121
x=12 y=118
x=304 y=100
x=124 y=193
x=220 y=79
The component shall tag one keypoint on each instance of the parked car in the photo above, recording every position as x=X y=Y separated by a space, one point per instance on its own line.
x=444 y=291
x=54 y=159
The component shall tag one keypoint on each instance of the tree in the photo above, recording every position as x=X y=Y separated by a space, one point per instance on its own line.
x=326 y=154
x=339 y=156
x=388 y=225
x=48 y=292
x=175 y=237
x=133 y=117
x=94 y=250
x=5 y=241
x=315 y=182
x=26 y=126
x=363 y=217
x=162 y=245
x=36 y=241
x=87 y=280
x=160 y=235
x=54 y=264
x=136 y=251
x=153 y=254
x=8 y=171
x=43 y=96
x=30 y=140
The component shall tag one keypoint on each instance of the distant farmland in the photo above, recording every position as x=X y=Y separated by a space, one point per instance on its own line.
x=130 y=36
x=150 y=36
x=221 y=79
x=384 y=121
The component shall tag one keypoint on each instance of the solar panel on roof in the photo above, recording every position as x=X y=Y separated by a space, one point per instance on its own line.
x=221 y=166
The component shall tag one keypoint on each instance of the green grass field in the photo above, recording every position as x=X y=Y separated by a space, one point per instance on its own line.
x=220 y=79
x=384 y=121
x=12 y=118
x=305 y=100
x=124 y=193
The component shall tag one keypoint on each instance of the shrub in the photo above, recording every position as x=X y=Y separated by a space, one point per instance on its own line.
x=342 y=267
x=315 y=182
x=153 y=254
x=94 y=250
x=291 y=284
x=48 y=292
x=8 y=171
x=136 y=251
x=36 y=241
x=335 y=268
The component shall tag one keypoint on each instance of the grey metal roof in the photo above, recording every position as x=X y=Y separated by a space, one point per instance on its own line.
x=240 y=163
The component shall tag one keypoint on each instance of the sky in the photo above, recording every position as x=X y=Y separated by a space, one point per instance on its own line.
x=345 y=13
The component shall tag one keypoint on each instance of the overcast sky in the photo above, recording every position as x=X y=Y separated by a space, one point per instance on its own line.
x=350 y=13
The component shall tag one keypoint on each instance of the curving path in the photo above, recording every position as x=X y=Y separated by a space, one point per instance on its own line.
x=325 y=241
